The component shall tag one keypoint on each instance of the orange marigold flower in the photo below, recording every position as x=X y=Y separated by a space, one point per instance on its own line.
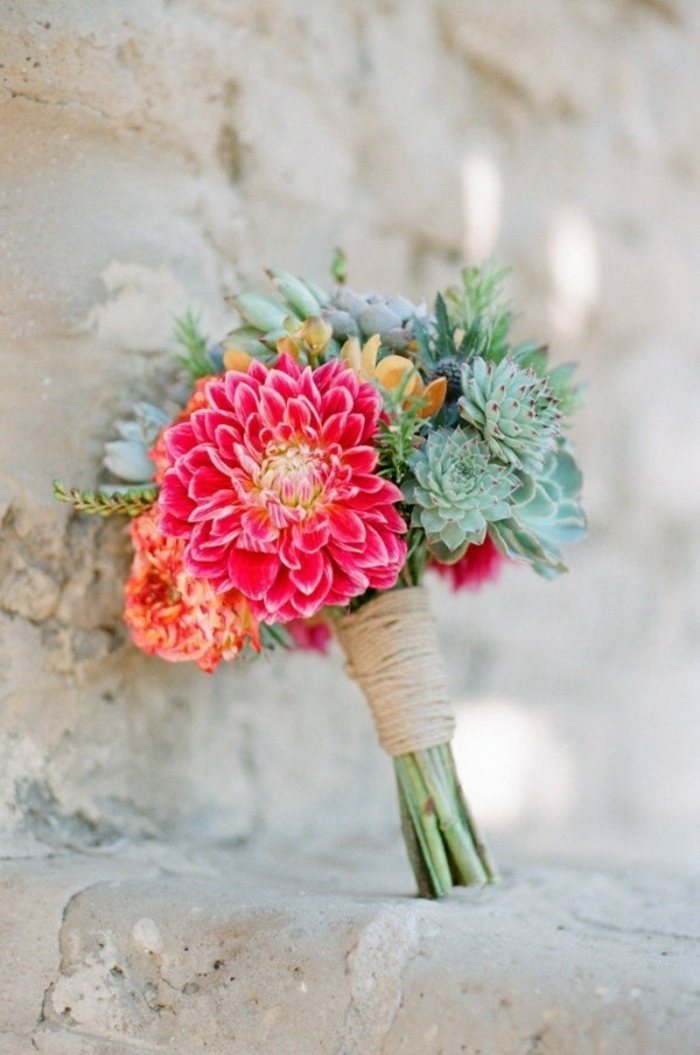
x=175 y=616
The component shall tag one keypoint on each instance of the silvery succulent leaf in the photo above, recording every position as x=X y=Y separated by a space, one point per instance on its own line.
x=128 y=459
x=129 y=430
x=150 y=420
x=347 y=300
x=342 y=322
x=402 y=307
x=377 y=318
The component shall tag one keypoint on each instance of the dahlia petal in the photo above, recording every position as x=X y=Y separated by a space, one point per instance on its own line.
x=336 y=401
x=297 y=414
x=328 y=375
x=332 y=428
x=347 y=527
x=271 y=405
x=311 y=535
x=173 y=498
x=178 y=440
x=206 y=482
x=244 y=402
x=309 y=574
x=285 y=386
x=307 y=386
x=360 y=459
x=255 y=372
x=256 y=525
x=305 y=606
x=346 y=585
x=252 y=573
x=287 y=365
x=353 y=428
x=279 y=593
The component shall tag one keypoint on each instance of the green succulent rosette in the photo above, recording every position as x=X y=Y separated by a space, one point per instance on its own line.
x=512 y=408
x=545 y=513
x=456 y=491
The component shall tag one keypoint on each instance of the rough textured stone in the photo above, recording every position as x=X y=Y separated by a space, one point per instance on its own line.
x=141 y=952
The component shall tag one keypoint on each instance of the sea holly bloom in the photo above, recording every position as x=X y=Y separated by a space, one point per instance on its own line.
x=479 y=565
x=273 y=488
x=175 y=616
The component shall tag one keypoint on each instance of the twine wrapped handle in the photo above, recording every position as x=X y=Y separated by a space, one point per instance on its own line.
x=392 y=653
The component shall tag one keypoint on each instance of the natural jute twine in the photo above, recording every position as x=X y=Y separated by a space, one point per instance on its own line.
x=392 y=653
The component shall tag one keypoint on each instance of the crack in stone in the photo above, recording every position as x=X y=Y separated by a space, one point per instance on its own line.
x=63 y=104
x=375 y=965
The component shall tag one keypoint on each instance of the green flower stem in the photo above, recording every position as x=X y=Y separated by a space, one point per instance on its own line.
x=421 y=809
x=443 y=845
x=457 y=835
x=482 y=849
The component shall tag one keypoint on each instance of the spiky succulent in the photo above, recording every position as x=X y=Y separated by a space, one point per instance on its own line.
x=456 y=491
x=513 y=409
x=545 y=512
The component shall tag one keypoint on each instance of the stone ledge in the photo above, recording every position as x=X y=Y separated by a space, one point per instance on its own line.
x=245 y=952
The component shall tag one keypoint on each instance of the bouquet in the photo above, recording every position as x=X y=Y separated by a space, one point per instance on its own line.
x=316 y=464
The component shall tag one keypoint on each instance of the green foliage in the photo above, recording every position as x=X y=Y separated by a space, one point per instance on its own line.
x=479 y=311
x=456 y=489
x=397 y=436
x=274 y=635
x=130 y=502
x=339 y=266
x=194 y=358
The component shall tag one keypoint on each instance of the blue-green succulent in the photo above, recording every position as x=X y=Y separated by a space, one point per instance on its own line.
x=456 y=491
x=546 y=512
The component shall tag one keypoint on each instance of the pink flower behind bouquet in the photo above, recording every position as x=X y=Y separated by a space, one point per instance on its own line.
x=174 y=616
x=480 y=564
x=273 y=488
x=310 y=635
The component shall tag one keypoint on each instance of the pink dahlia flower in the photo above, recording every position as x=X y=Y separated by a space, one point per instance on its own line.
x=174 y=616
x=273 y=487
x=310 y=635
x=158 y=453
x=479 y=564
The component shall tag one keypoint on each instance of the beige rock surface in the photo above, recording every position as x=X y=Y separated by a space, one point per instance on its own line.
x=146 y=951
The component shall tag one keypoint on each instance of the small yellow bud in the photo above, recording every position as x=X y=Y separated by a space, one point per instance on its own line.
x=288 y=346
x=237 y=359
x=393 y=370
x=350 y=354
x=315 y=334
x=369 y=356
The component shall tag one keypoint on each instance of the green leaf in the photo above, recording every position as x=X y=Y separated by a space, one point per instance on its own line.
x=131 y=502
x=194 y=358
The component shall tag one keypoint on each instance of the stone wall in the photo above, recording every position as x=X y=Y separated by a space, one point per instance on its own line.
x=155 y=156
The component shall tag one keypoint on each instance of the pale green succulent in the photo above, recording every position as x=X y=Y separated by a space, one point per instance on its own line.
x=545 y=512
x=513 y=409
x=456 y=491
x=349 y=314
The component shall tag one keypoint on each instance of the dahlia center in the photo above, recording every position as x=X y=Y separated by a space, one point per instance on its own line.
x=294 y=474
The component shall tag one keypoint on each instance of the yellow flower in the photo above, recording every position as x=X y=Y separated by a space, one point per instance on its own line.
x=392 y=372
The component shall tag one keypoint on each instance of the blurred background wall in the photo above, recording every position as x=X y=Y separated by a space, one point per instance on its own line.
x=156 y=155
